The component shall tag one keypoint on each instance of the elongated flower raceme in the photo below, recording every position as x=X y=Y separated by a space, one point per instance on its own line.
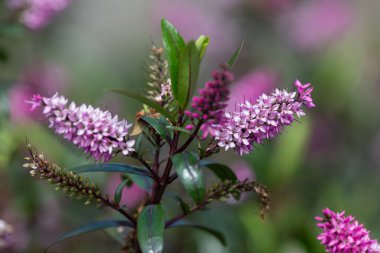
x=212 y=100
x=344 y=234
x=97 y=132
x=252 y=123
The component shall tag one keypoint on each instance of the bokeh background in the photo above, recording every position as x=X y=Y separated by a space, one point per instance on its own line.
x=331 y=158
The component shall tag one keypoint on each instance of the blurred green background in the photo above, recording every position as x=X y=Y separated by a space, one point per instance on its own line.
x=331 y=158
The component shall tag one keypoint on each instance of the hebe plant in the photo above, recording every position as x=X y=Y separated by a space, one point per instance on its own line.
x=174 y=137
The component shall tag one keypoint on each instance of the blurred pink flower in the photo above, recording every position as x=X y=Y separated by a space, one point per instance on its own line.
x=193 y=18
x=36 y=14
x=41 y=79
x=132 y=197
x=251 y=86
x=311 y=24
x=271 y=6
x=242 y=171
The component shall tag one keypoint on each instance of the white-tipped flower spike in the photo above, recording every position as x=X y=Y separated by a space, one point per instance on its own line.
x=252 y=123
x=97 y=132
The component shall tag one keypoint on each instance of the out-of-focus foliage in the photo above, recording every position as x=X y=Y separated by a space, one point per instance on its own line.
x=329 y=159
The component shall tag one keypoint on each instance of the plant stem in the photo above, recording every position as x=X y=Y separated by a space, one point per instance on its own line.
x=116 y=207
x=164 y=180
x=183 y=215
x=191 y=138
x=156 y=166
x=146 y=165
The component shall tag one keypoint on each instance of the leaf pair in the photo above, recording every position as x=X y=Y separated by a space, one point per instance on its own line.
x=183 y=60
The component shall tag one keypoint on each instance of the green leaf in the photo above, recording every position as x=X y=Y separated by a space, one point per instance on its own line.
x=160 y=125
x=173 y=43
x=180 y=129
x=202 y=43
x=233 y=58
x=150 y=229
x=111 y=167
x=218 y=235
x=187 y=167
x=189 y=62
x=220 y=170
x=90 y=227
x=119 y=190
x=146 y=101
x=145 y=183
x=182 y=204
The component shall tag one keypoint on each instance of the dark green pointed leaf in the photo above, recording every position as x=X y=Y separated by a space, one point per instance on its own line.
x=218 y=235
x=233 y=58
x=119 y=191
x=182 y=204
x=220 y=170
x=111 y=167
x=146 y=101
x=90 y=227
x=150 y=229
x=187 y=167
x=189 y=62
x=160 y=125
x=202 y=43
x=145 y=183
x=180 y=129
x=173 y=43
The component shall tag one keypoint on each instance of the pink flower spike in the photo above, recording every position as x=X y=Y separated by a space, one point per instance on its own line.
x=211 y=102
x=343 y=234
x=97 y=132
x=251 y=123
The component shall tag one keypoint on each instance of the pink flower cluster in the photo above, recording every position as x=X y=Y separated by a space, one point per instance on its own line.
x=208 y=106
x=36 y=14
x=252 y=123
x=344 y=234
x=97 y=132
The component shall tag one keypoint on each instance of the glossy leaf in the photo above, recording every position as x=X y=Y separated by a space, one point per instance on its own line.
x=187 y=167
x=218 y=235
x=234 y=57
x=119 y=190
x=173 y=44
x=146 y=101
x=111 y=167
x=202 y=43
x=90 y=227
x=220 y=170
x=150 y=229
x=160 y=125
x=180 y=129
x=189 y=62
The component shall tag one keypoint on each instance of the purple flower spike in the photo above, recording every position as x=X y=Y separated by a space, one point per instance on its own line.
x=252 y=123
x=208 y=106
x=97 y=132
x=344 y=234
